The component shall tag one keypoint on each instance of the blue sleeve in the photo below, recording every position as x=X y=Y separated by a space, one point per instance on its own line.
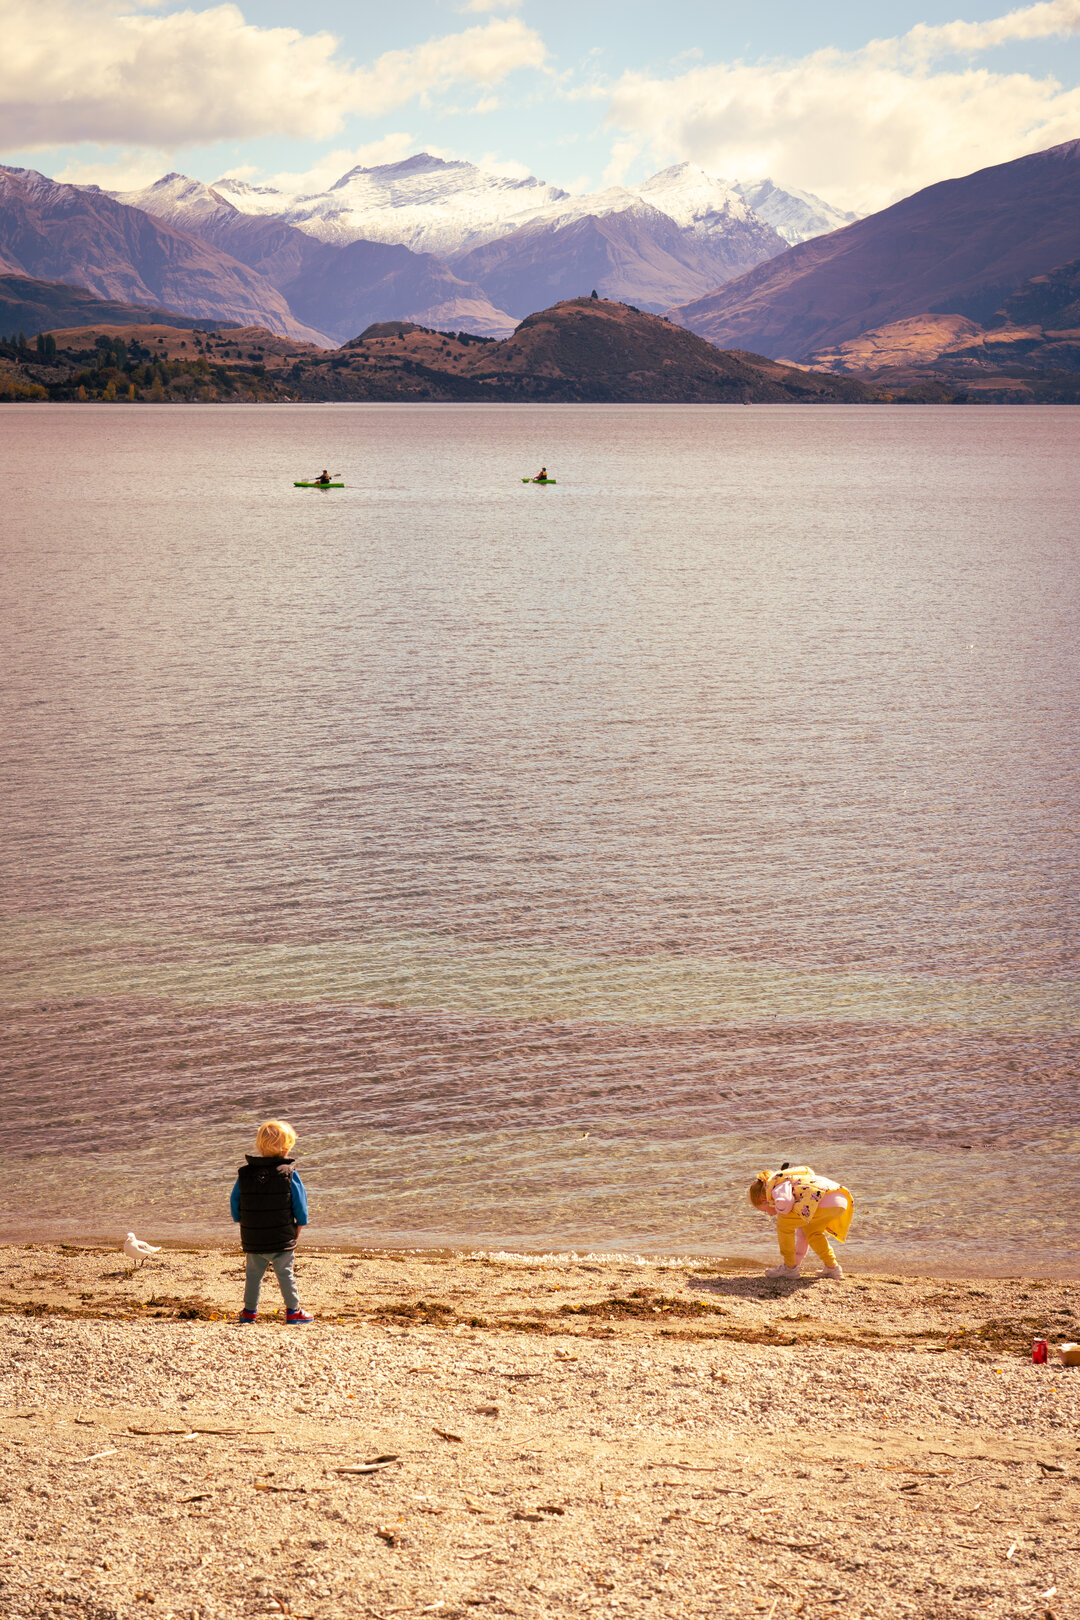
x=299 y=1201
x=234 y=1200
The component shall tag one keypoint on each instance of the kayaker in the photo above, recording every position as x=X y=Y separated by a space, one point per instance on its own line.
x=323 y=478
x=541 y=477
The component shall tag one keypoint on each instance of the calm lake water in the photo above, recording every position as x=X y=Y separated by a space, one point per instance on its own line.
x=554 y=858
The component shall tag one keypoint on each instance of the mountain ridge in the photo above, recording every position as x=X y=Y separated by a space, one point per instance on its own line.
x=55 y=233
x=449 y=206
x=958 y=247
x=639 y=254
x=334 y=287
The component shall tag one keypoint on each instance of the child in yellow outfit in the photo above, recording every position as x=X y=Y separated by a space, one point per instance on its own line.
x=809 y=1209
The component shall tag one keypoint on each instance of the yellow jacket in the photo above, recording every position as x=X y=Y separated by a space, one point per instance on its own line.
x=797 y=1192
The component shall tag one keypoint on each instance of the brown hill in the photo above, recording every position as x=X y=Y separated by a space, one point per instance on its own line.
x=76 y=234
x=957 y=248
x=581 y=349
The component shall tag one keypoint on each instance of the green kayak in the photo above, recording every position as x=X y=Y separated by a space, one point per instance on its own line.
x=300 y=484
x=539 y=480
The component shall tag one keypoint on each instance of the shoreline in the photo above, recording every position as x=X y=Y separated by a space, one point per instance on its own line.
x=855 y=1265
x=529 y=1436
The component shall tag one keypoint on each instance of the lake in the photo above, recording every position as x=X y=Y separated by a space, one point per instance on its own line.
x=554 y=858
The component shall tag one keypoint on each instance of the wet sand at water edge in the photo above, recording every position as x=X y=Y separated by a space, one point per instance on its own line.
x=530 y=1435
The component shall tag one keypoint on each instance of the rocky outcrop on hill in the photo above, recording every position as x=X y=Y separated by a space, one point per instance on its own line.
x=958 y=248
x=77 y=234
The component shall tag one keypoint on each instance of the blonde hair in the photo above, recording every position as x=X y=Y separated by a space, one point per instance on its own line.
x=275 y=1139
x=757 y=1194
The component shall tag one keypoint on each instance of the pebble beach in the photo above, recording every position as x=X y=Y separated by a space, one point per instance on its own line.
x=532 y=1435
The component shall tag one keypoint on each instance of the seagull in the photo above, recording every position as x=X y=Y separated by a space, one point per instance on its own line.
x=138 y=1251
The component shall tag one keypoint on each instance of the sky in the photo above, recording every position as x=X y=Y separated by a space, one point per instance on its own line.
x=859 y=103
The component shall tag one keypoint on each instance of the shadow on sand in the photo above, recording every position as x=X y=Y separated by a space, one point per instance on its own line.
x=751 y=1287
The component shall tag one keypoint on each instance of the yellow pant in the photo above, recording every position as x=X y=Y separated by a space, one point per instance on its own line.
x=814 y=1230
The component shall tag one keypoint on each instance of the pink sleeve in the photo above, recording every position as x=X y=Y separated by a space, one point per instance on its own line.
x=833 y=1200
x=783 y=1198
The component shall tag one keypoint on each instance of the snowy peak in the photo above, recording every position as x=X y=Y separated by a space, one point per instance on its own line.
x=691 y=197
x=794 y=215
x=427 y=203
x=420 y=164
x=177 y=198
x=449 y=207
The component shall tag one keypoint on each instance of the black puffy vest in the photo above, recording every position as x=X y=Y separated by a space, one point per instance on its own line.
x=266 y=1218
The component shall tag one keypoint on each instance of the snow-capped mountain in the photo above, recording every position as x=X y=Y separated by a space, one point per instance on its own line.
x=423 y=202
x=435 y=206
x=342 y=286
x=695 y=199
x=453 y=244
x=634 y=252
x=794 y=215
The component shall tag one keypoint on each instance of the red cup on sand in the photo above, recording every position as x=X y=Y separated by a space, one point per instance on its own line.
x=1040 y=1351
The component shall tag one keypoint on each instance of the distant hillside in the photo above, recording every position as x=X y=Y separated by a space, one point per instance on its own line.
x=1034 y=335
x=1050 y=301
x=31 y=307
x=77 y=234
x=150 y=363
x=585 y=349
x=957 y=248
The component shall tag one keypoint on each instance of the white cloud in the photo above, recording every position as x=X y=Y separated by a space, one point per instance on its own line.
x=961 y=38
x=862 y=128
x=623 y=156
x=506 y=168
x=103 y=71
x=481 y=55
x=490 y=5
x=128 y=171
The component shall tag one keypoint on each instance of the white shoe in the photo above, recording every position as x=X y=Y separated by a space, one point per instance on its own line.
x=834 y=1273
x=783 y=1271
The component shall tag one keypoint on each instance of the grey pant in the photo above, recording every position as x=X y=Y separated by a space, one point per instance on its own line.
x=283 y=1267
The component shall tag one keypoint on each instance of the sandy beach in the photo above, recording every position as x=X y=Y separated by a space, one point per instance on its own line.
x=530 y=1435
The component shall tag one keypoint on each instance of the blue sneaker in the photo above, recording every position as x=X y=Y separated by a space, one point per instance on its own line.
x=248 y=1316
x=297 y=1318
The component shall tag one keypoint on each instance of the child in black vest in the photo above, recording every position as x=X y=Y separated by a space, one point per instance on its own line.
x=270 y=1204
